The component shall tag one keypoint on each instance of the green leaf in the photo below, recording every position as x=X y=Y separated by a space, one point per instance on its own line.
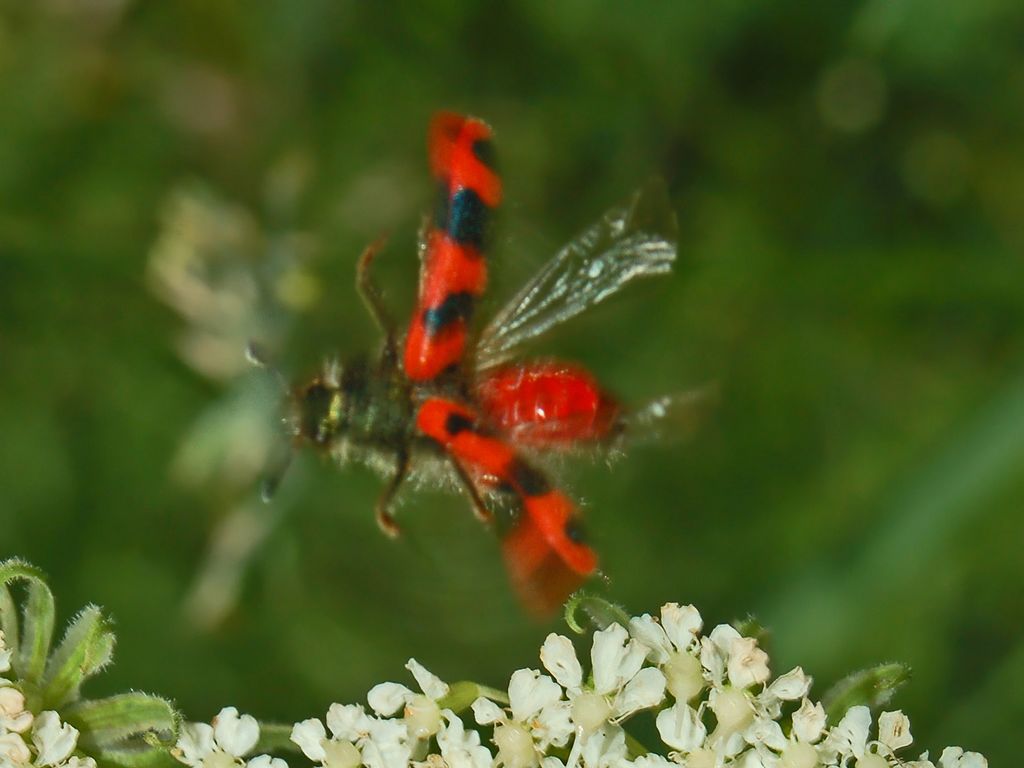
x=599 y=611
x=130 y=729
x=87 y=647
x=37 y=622
x=873 y=687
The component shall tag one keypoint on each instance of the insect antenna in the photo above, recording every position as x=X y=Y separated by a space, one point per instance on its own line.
x=275 y=473
x=278 y=465
x=257 y=356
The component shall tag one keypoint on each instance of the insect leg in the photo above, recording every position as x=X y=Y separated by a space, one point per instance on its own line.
x=385 y=520
x=483 y=514
x=545 y=549
x=371 y=295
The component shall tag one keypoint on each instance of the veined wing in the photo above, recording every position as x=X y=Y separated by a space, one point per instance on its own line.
x=634 y=240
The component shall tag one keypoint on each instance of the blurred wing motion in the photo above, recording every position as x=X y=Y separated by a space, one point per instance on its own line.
x=669 y=417
x=453 y=273
x=543 y=545
x=637 y=239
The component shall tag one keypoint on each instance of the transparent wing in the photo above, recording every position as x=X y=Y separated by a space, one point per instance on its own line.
x=670 y=417
x=637 y=239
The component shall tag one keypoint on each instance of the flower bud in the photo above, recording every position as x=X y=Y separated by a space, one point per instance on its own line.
x=422 y=717
x=684 y=676
x=515 y=746
x=590 y=711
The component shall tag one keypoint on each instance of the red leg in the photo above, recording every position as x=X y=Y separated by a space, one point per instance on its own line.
x=454 y=270
x=544 y=550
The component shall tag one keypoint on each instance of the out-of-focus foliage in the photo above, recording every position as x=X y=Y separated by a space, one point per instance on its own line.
x=850 y=185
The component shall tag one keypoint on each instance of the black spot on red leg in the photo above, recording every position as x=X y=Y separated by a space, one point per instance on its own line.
x=455 y=307
x=574 y=531
x=483 y=150
x=456 y=423
x=468 y=217
x=528 y=479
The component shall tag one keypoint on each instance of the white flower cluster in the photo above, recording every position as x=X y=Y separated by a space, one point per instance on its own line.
x=711 y=697
x=223 y=744
x=50 y=742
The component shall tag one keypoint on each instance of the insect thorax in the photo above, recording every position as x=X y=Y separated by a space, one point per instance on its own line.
x=354 y=408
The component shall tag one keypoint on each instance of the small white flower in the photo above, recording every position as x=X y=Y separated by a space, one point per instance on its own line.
x=734 y=712
x=356 y=738
x=849 y=737
x=265 y=761
x=13 y=750
x=678 y=631
x=673 y=644
x=622 y=685
x=539 y=719
x=387 y=744
x=220 y=745
x=605 y=748
x=955 y=757
x=725 y=652
x=809 y=722
x=421 y=712
x=348 y=724
x=894 y=730
x=235 y=734
x=13 y=715
x=53 y=740
x=461 y=748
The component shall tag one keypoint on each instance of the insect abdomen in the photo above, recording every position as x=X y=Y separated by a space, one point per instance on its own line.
x=547 y=405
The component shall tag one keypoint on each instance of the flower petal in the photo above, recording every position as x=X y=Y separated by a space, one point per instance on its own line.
x=388 y=698
x=680 y=727
x=894 y=730
x=809 y=722
x=487 y=712
x=529 y=691
x=14 y=749
x=347 y=721
x=645 y=690
x=310 y=735
x=559 y=658
x=648 y=632
x=235 y=734
x=615 y=658
x=850 y=736
x=791 y=686
x=605 y=748
x=748 y=664
x=194 y=743
x=266 y=761
x=955 y=757
x=54 y=741
x=429 y=683
x=682 y=624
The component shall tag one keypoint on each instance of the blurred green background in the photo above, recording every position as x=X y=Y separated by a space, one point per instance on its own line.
x=849 y=180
